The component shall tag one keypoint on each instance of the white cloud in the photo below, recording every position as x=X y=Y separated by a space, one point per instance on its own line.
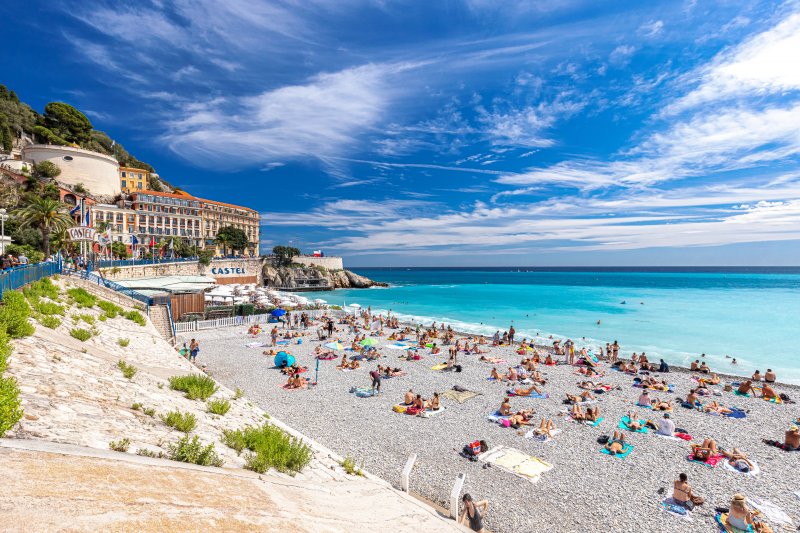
x=652 y=29
x=764 y=64
x=321 y=119
x=622 y=54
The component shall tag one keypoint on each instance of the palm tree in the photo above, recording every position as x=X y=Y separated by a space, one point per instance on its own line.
x=224 y=240
x=47 y=215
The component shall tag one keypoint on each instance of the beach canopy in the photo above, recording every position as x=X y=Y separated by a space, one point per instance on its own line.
x=335 y=346
x=284 y=359
x=369 y=341
x=278 y=312
x=357 y=306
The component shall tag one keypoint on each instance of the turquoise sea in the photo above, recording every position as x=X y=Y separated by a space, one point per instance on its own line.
x=751 y=314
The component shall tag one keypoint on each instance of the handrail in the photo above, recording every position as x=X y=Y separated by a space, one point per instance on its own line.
x=19 y=276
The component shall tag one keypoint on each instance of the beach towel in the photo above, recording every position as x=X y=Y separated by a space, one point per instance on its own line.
x=772 y=512
x=428 y=413
x=745 y=394
x=586 y=422
x=439 y=367
x=533 y=394
x=256 y=345
x=675 y=509
x=496 y=417
x=459 y=396
x=282 y=343
x=362 y=392
x=532 y=435
x=711 y=462
x=626 y=451
x=623 y=424
x=399 y=408
x=327 y=357
x=516 y=462
x=723 y=517
x=736 y=413
x=752 y=472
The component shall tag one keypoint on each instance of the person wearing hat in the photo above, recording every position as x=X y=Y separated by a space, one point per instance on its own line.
x=666 y=427
x=739 y=516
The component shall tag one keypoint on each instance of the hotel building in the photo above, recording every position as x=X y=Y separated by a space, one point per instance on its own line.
x=162 y=215
x=132 y=179
x=217 y=215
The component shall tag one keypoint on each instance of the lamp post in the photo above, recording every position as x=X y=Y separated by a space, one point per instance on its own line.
x=3 y=218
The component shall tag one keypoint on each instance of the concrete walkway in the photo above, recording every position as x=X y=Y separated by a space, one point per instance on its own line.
x=52 y=486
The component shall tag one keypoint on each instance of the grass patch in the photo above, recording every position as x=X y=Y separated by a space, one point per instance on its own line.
x=42 y=288
x=110 y=310
x=102 y=318
x=86 y=317
x=192 y=451
x=82 y=297
x=49 y=308
x=148 y=453
x=135 y=316
x=184 y=422
x=239 y=393
x=196 y=386
x=123 y=342
x=120 y=445
x=219 y=407
x=51 y=322
x=136 y=406
x=127 y=370
x=80 y=334
x=350 y=466
x=149 y=411
x=14 y=314
x=270 y=447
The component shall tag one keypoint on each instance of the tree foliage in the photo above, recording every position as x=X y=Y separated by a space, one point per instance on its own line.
x=119 y=249
x=15 y=117
x=46 y=214
x=46 y=170
x=67 y=122
x=284 y=254
x=230 y=237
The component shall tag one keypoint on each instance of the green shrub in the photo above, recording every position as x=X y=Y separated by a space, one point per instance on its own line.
x=121 y=445
x=270 y=447
x=123 y=342
x=239 y=393
x=147 y=453
x=219 y=407
x=14 y=315
x=51 y=322
x=110 y=310
x=89 y=319
x=49 y=308
x=196 y=386
x=350 y=467
x=127 y=370
x=38 y=289
x=82 y=297
x=33 y=255
x=193 y=451
x=136 y=406
x=181 y=421
x=80 y=334
x=149 y=411
x=10 y=412
x=102 y=318
x=135 y=316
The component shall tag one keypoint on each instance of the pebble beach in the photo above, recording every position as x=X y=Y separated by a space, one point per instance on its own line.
x=585 y=490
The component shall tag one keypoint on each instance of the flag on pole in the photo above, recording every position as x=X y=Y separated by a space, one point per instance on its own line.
x=75 y=209
x=134 y=240
x=88 y=216
x=172 y=244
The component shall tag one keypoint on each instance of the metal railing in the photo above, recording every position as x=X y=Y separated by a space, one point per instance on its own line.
x=107 y=283
x=108 y=263
x=185 y=327
x=16 y=277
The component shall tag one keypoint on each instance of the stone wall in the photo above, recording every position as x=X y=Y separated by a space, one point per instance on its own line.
x=331 y=263
x=99 y=173
x=224 y=271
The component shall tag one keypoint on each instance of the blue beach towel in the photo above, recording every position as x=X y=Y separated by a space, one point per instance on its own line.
x=737 y=413
x=595 y=423
x=536 y=395
x=496 y=417
x=623 y=424
x=621 y=455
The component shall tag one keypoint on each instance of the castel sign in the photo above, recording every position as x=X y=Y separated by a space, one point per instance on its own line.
x=81 y=233
x=226 y=271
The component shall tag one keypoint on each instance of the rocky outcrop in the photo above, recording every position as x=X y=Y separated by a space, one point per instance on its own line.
x=298 y=277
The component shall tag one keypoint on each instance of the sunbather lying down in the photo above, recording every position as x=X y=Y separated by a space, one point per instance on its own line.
x=633 y=421
x=493 y=360
x=703 y=452
x=591 y=414
x=715 y=407
x=582 y=397
x=521 y=417
x=738 y=459
x=545 y=428
x=660 y=405
x=527 y=392
x=617 y=443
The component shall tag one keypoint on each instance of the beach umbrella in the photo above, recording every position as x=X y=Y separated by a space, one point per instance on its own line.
x=357 y=306
x=335 y=346
x=369 y=341
x=278 y=312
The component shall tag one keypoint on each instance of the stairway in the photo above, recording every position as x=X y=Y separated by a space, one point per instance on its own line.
x=159 y=316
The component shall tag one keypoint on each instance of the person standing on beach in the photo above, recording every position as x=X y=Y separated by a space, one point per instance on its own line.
x=376 y=380
x=194 y=348
x=511 y=332
x=274 y=335
x=615 y=351
x=330 y=327
x=474 y=512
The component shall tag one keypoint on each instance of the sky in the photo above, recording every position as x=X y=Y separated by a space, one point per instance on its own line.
x=472 y=132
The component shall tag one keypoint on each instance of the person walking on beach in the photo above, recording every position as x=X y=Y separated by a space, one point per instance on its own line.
x=376 y=380
x=615 y=351
x=330 y=327
x=274 y=335
x=474 y=512
x=511 y=332
x=194 y=349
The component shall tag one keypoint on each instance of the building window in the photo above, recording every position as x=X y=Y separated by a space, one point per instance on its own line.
x=140 y=175
x=124 y=184
x=139 y=185
x=123 y=175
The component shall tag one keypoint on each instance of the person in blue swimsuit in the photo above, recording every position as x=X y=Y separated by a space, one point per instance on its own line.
x=474 y=512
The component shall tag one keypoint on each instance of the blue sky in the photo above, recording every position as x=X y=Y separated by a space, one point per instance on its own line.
x=473 y=132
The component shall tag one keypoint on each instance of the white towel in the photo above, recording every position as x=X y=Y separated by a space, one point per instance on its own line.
x=774 y=514
x=753 y=471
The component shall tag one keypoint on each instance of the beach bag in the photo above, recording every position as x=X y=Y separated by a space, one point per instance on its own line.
x=458 y=368
x=603 y=439
x=412 y=411
x=399 y=409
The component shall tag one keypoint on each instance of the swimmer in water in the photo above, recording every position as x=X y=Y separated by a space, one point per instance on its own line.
x=598 y=322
